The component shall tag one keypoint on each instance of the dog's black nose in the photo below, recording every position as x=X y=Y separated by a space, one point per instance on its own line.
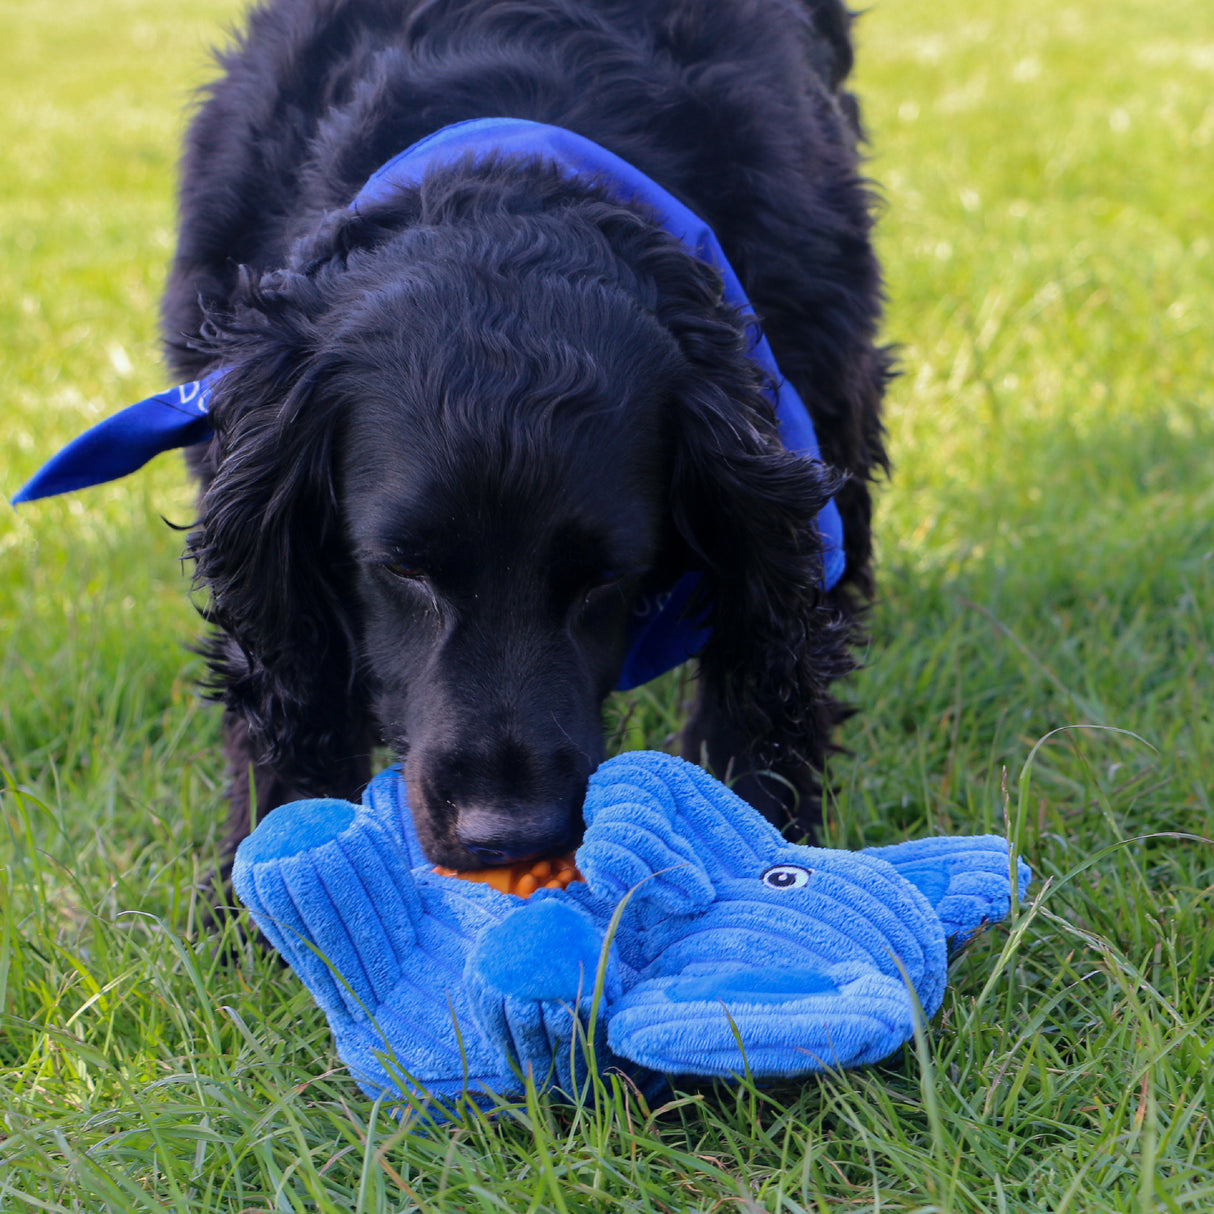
x=497 y=842
x=490 y=855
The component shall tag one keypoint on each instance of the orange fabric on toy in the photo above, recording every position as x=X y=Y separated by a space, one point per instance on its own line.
x=523 y=878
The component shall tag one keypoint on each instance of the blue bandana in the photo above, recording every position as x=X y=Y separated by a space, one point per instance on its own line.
x=178 y=417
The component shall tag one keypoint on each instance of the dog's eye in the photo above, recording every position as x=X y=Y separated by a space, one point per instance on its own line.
x=786 y=876
x=415 y=586
x=405 y=571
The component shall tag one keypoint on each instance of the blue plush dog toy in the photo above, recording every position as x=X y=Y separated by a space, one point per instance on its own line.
x=733 y=951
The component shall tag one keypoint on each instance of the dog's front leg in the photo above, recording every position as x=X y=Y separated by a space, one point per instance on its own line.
x=254 y=789
x=786 y=790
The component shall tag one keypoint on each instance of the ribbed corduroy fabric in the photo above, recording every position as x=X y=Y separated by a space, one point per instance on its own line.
x=735 y=951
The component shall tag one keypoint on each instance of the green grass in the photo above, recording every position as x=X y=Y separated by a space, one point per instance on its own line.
x=1047 y=560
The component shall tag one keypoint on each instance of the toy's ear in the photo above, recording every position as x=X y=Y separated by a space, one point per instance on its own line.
x=669 y=829
x=964 y=877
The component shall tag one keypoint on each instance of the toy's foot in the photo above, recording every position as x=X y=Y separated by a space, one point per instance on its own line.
x=964 y=878
x=774 y=1023
x=531 y=979
x=326 y=886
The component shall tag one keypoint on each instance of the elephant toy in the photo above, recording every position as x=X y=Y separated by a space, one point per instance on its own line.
x=700 y=942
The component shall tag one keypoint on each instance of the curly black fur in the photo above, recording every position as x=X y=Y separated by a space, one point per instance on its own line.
x=466 y=428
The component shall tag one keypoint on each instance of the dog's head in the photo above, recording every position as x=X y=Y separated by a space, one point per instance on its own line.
x=457 y=441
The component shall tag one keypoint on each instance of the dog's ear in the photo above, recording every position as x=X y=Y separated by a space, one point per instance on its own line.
x=746 y=508
x=268 y=546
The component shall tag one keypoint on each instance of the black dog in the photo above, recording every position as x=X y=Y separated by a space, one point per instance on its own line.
x=465 y=430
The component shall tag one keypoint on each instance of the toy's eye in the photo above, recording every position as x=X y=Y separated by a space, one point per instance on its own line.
x=786 y=876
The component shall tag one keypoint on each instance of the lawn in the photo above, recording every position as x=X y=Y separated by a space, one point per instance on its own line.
x=1047 y=562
